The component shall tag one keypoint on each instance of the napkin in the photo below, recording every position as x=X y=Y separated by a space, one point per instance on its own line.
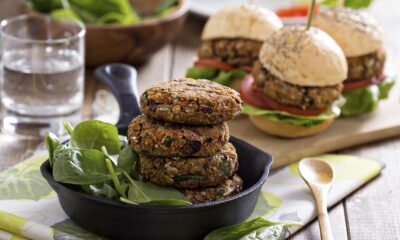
x=29 y=208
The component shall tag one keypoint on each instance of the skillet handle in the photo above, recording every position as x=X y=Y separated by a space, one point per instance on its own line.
x=121 y=79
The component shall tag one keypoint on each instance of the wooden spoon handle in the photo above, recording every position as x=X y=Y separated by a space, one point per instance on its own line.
x=323 y=217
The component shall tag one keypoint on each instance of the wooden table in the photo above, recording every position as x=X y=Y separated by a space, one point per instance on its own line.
x=372 y=212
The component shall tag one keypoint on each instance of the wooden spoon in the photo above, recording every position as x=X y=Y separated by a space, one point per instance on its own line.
x=319 y=177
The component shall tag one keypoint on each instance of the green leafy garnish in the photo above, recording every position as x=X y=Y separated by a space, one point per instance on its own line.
x=52 y=142
x=385 y=87
x=149 y=193
x=127 y=160
x=86 y=162
x=366 y=99
x=101 y=12
x=114 y=178
x=165 y=6
x=169 y=202
x=306 y=121
x=349 y=3
x=65 y=13
x=93 y=134
x=43 y=6
x=80 y=167
x=259 y=228
x=215 y=75
x=201 y=72
x=101 y=190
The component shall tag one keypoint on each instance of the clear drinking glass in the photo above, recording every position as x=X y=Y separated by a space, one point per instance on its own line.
x=42 y=80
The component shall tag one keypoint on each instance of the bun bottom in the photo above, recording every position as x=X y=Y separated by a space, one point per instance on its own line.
x=287 y=130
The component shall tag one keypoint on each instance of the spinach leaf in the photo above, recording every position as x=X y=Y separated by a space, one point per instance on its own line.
x=80 y=167
x=109 y=11
x=101 y=190
x=86 y=16
x=169 y=202
x=93 y=134
x=125 y=200
x=146 y=192
x=127 y=160
x=259 y=228
x=117 y=183
x=165 y=6
x=43 y=6
x=52 y=142
x=65 y=13
x=349 y=3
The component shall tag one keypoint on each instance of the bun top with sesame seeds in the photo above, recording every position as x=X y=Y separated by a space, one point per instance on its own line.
x=357 y=32
x=242 y=21
x=304 y=57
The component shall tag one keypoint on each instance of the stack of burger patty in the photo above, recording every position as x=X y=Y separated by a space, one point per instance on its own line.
x=182 y=138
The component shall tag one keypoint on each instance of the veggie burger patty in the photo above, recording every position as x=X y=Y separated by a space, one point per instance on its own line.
x=229 y=188
x=235 y=52
x=366 y=66
x=190 y=172
x=189 y=101
x=160 y=138
x=291 y=94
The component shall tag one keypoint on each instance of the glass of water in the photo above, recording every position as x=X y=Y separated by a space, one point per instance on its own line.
x=42 y=79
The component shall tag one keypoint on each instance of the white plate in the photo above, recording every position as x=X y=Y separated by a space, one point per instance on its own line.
x=206 y=8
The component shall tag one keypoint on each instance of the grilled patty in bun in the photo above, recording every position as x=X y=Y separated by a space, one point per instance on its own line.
x=361 y=38
x=296 y=80
x=231 y=41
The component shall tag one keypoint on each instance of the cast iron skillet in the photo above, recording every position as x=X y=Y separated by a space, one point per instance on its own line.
x=122 y=221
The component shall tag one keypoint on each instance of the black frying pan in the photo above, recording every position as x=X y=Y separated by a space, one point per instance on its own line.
x=117 y=220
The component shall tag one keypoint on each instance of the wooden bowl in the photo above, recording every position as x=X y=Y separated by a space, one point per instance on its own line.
x=135 y=43
x=132 y=44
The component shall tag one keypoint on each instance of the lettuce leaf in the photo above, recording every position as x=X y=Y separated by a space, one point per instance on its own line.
x=305 y=121
x=89 y=11
x=349 y=3
x=385 y=87
x=366 y=99
x=222 y=77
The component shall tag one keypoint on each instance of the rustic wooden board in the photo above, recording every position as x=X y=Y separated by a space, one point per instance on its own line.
x=343 y=133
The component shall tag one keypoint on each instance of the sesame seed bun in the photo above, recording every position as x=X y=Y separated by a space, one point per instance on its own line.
x=305 y=58
x=355 y=31
x=287 y=130
x=242 y=21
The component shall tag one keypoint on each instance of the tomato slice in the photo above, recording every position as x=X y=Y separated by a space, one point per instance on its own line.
x=213 y=64
x=349 y=86
x=250 y=94
x=296 y=11
x=248 y=69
